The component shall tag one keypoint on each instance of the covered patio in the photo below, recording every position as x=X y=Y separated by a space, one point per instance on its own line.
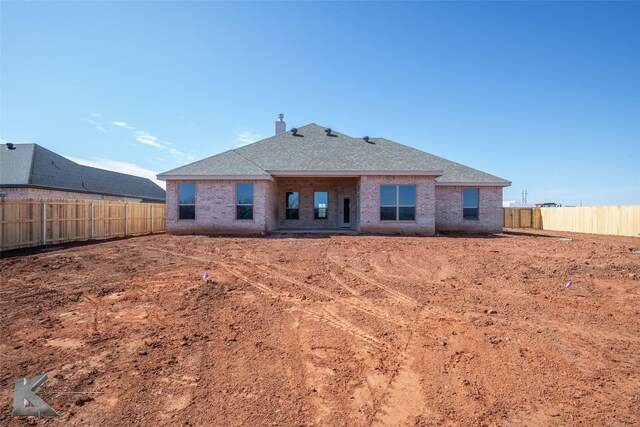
x=317 y=203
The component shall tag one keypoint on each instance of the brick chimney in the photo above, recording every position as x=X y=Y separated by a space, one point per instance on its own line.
x=281 y=126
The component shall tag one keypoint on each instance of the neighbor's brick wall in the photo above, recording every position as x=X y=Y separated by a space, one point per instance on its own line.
x=307 y=187
x=42 y=193
x=370 y=205
x=216 y=208
x=449 y=210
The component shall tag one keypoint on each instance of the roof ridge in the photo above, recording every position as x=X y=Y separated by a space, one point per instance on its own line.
x=284 y=152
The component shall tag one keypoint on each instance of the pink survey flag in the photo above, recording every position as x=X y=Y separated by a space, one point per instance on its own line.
x=206 y=275
x=568 y=285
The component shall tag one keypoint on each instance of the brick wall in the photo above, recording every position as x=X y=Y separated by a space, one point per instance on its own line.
x=271 y=205
x=370 y=205
x=449 y=210
x=216 y=208
x=436 y=207
x=43 y=193
x=306 y=187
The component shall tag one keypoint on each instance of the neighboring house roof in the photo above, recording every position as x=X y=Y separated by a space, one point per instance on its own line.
x=30 y=165
x=313 y=152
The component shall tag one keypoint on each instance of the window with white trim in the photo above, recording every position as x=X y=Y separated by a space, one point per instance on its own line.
x=397 y=203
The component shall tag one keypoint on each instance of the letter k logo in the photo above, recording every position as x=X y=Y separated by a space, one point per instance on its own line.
x=23 y=395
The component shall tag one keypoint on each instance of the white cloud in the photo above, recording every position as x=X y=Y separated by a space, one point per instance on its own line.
x=246 y=137
x=96 y=125
x=181 y=154
x=177 y=152
x=148 y=139
x=96 y=115
x=116 y=166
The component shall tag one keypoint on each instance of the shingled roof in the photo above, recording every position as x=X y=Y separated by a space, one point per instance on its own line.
x=312 y=151
x=30 y=165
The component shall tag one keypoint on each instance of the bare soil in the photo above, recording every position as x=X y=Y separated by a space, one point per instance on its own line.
x=327 y=330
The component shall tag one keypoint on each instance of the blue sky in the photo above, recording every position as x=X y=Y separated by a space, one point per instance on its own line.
x=544 y=94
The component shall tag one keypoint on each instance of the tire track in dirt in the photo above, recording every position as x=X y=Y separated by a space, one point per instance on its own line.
x=399 y=296
x=403 y=399
x=333 y=320
x=266 y=289
x=359 y=304
x=441 y=271
x=339 y=323
x=365 y=306
x=324 y=315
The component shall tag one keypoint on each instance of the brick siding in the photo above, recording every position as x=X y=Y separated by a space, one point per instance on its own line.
x=437 y=207
x=335 y=187
x=216 y=208
x=449 y=210
x=370 y=205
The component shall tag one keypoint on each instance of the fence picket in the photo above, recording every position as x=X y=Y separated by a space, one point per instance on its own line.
x=613 y=220
x=35 y=222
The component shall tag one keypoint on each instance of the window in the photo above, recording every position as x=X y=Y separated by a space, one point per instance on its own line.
x=471 y=203
x=244 y=201
x=397 y=203
x=293 y=206
x=187 y=201
x=320 y=204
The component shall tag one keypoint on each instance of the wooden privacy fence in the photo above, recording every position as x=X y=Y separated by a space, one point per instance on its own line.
x=34 y=222
x=522 y=218
x=615 y=220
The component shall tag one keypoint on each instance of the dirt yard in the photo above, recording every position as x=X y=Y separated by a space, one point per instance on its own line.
x=327 y=331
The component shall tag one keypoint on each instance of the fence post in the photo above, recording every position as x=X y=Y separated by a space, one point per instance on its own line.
x=91 y=217
x=126 y=219
x=44 y=222
x=151 y=206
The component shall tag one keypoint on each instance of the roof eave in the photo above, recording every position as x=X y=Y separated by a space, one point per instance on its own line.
x=342 y=173
x=213 y=177
x=474 y=184
x=73 y=190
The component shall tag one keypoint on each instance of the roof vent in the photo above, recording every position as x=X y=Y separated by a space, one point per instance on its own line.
x=10 y=146
x=328 y=131
x=294 y=131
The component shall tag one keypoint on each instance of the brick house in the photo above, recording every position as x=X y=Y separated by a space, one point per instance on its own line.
x=29 y=171
x=314 y=178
